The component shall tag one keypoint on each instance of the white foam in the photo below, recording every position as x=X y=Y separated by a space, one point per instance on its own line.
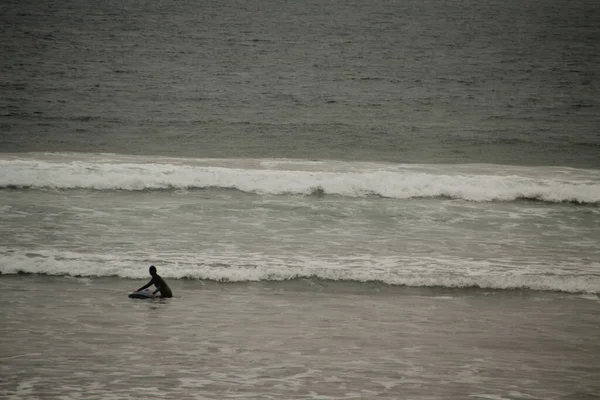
x=474 y=183
x=416 y=272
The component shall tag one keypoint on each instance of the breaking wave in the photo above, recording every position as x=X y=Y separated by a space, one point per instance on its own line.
x=410 y=273
x=301 y=177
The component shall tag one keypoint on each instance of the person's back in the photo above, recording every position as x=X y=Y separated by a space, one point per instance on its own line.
x=161 y=285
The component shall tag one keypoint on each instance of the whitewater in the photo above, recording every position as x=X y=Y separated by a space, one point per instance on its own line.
x=271 y=220
x=228 y=268
x=472 y=182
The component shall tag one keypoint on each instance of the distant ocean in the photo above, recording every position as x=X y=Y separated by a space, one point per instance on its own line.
x=387 y=199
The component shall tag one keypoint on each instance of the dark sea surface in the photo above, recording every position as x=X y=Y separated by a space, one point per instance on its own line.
x=504 y=82
x=350 y=200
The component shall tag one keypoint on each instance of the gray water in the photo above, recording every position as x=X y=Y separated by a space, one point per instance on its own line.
x=387 y=199
x=293 y=341
x=508 y=82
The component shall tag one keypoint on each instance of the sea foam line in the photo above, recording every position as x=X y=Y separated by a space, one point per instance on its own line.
x=273 y=178
x=260 y=269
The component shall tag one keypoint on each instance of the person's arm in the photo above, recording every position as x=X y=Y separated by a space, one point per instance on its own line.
x=156 y=291
x=147 y=285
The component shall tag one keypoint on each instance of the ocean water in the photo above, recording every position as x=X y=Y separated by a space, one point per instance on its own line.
x=376 y=200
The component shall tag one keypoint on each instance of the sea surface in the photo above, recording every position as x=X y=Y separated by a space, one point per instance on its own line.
x=393 y=199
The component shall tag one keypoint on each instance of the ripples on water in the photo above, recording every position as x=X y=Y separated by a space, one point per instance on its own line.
x=251 y=340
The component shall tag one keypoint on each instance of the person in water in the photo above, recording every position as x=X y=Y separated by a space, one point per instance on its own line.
x=159 y=282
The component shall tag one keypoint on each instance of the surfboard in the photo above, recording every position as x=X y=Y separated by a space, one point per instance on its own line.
x=141 y=294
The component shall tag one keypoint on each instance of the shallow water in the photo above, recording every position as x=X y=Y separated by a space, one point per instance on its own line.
x=293 y=340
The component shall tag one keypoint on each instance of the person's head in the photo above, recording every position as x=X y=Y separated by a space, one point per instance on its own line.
x=152 y=270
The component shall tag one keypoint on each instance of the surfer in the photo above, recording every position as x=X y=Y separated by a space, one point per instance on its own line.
x=159 y=282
